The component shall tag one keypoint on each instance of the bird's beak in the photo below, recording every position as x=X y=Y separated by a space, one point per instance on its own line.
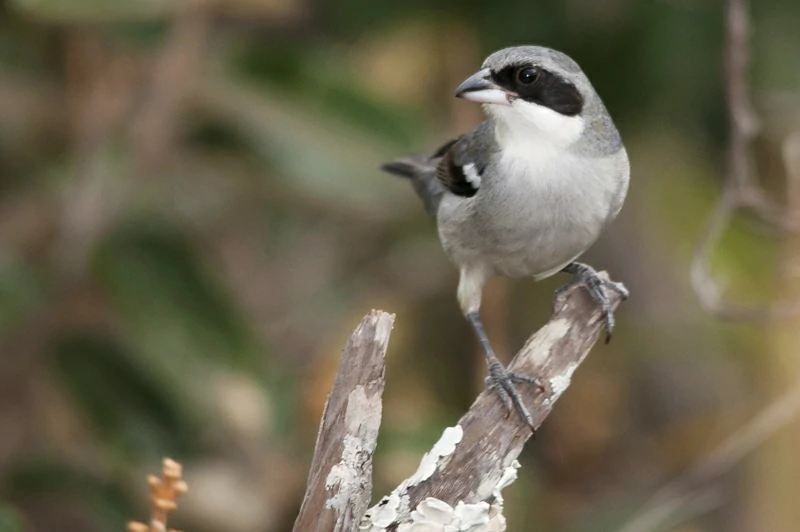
x=480 y=88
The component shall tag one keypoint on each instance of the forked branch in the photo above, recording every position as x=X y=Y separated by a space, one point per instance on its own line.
x=458 y=482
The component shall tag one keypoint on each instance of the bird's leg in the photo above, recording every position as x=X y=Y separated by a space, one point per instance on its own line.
x=500 y=380
x=586 y=276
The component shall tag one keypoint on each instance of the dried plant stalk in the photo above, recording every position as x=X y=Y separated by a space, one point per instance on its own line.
x=164 y=493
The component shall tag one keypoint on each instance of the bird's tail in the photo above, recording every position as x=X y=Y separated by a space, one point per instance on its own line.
x=405 y=167
x=421 y=171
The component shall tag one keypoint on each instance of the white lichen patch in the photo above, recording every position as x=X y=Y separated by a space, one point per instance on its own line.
x=434 y=515
x=443 y=448
x=363 y=414
x=470 y=516
x=342 y=476
x=559 y=383
x=433 y=512
x=508 y=477
x=362 y=418
x=383 y=328
x=386 y=512
x=491 y=485
x=547 y=337
x=396 y=504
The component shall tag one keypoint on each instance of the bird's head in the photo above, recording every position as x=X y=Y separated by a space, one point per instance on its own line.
x=532 y=90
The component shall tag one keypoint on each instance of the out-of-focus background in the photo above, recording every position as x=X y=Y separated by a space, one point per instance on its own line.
x=192 y=222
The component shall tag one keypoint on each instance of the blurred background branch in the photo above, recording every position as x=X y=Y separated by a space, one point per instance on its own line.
x=696 y=491
x=741 y=189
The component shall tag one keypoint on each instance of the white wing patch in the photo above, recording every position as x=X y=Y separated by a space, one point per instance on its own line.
x=472 y=175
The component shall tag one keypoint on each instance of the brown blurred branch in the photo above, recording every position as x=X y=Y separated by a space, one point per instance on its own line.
x=741 y=189
x=340 y=480
x=460 y=479
x=175 y=71
x=693 y=493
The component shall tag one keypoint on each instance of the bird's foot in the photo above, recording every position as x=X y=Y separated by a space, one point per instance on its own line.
x=598 y=288
x=502 y=382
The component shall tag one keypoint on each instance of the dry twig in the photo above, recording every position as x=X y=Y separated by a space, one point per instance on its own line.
x=741 y=189
x=693 y=493
x=165 y=493
x=459 y=481
x=154 y=128
x=340 y=480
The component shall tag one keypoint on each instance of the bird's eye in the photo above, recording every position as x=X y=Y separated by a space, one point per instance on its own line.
x=528 y=75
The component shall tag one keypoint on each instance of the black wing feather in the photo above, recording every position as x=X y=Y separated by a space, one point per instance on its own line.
x=444 y=170
x=450 y=170
x=452 y=175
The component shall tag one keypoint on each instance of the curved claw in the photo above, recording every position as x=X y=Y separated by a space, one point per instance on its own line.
x=619 y=288
x=500 y=380
x=597 y=287
x=502 y=383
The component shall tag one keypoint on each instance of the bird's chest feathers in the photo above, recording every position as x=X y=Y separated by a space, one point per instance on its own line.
x=530 y=164
x=540 y=204
x=535 y=159
x=541 y=180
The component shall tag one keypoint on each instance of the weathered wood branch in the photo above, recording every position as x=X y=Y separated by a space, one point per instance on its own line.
x=340 y=480
x=458 y=482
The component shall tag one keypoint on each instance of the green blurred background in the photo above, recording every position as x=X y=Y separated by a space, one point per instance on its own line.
x=192 y=222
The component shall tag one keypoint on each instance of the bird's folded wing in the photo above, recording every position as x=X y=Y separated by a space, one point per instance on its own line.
x=464 y=160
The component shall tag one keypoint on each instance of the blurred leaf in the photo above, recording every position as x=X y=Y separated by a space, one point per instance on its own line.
x=324 y=82
x=127 y=407
x=23 y=49
x=208 y=134
x=157 y=279
x=314 y=155
x=20 y=291
x=108 y=503
x=94 y=10
x=10 y=520
x=350 y=17
x=148 y=34
x=344 y=99
x=281 y=62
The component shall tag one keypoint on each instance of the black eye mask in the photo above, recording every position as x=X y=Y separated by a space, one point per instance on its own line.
x=540 y=86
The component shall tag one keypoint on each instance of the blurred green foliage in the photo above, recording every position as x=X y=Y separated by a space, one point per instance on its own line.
x=192 y=221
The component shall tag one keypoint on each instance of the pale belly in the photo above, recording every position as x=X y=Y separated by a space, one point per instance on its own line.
x=522 y=231
x=538 y=246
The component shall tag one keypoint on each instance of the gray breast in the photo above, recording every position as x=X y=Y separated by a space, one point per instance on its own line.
x=531 y=223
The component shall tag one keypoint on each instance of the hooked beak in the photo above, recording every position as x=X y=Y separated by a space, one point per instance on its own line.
x=480 y=88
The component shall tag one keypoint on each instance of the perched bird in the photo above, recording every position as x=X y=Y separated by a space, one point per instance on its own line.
x=526 y=192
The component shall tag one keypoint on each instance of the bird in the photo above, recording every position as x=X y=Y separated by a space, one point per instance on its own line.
x=526 y=192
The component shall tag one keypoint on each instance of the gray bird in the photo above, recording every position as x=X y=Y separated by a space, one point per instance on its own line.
x=526 y=192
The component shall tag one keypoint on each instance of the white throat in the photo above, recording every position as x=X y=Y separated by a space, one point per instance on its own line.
x=534 y=141
x=531 y=123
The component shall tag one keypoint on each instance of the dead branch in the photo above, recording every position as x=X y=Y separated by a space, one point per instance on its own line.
x=154 y=128
x=458 y=482
x=694 y=492
x=741 y=189
x=164 y=497
x=340 y=481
